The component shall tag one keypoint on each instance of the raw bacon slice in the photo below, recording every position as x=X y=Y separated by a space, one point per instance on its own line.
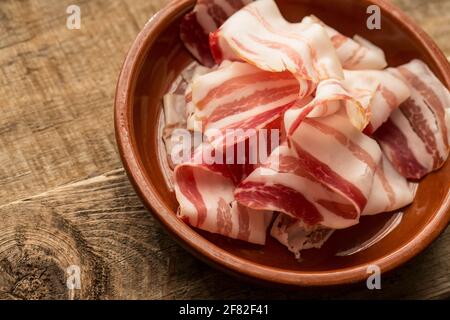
x=337 y=154
x=173 y=105
x=327 y=180
x=286 y=185
x=190 y=107
x=178 y=114
x=354 y=54
x=416 y=136
x=239 y=96
x=206 y=17
x=292 y=233
x=259 y=35
x=390 y=93
x=368 y=96
x=333 y=95
x=174 y=114
x=204 y=191
x=390 y=190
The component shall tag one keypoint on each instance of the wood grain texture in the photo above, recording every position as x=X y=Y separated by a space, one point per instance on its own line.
x=64 y=199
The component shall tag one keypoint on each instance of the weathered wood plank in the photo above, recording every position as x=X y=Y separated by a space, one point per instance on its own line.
x=100 y=225
x=64 y=201
x=57 y=88
x=433 y=16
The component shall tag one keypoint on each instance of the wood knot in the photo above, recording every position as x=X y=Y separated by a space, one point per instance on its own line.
x=41 y=253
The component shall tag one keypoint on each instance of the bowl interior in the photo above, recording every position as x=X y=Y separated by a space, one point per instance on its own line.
x=165 y=59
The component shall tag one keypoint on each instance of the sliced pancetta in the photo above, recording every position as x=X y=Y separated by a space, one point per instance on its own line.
x=174 y=118
x=354 y=54
x=258 y=34
x=389 y=94
x=204 y=190
x=192 y=74
x=318 y=186
x=331 y=96
x=368 y=96
x=178 y=114
x=349 y=168
x=285 y=185
x=174 y=114
x=207 y=16
x=390 y=191
x=416 y=136
x=325 y=100
x=240 y=98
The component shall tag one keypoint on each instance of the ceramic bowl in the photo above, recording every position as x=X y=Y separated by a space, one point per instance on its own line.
x=156 y=59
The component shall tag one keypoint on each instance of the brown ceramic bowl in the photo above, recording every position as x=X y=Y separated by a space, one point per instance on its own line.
x=154 y=61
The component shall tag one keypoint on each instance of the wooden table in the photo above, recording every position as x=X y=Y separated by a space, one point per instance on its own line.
x=64 y=196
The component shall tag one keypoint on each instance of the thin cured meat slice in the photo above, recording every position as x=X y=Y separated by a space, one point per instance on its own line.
x=390 y=94
x=390 y=190
x=368 y=96
x=333 y=95
x=174 y=111
x=286 y=185
x=258 y=34
x=204 y=190
x=416 y=136
x=178 y=115
x=174 y=118
x=239 y=97
x=354 y=54
x=292 y=234
x=337 y=154
x=354 y=175
x=207 y=16
x=193 y=74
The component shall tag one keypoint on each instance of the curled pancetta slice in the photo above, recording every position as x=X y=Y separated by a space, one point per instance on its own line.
x=189 y=105
x=347 y=170
x=259 y=35
x=331 y=96
x=285 y=185
x=329 y=188
x=416 y=136
x=207 y=16
x=368 y=97
x=204 y=190
x=354 y=54
x=390 y=191
x=311 y=207
x=389 y=94
x=240 y=98
x=177 y=110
